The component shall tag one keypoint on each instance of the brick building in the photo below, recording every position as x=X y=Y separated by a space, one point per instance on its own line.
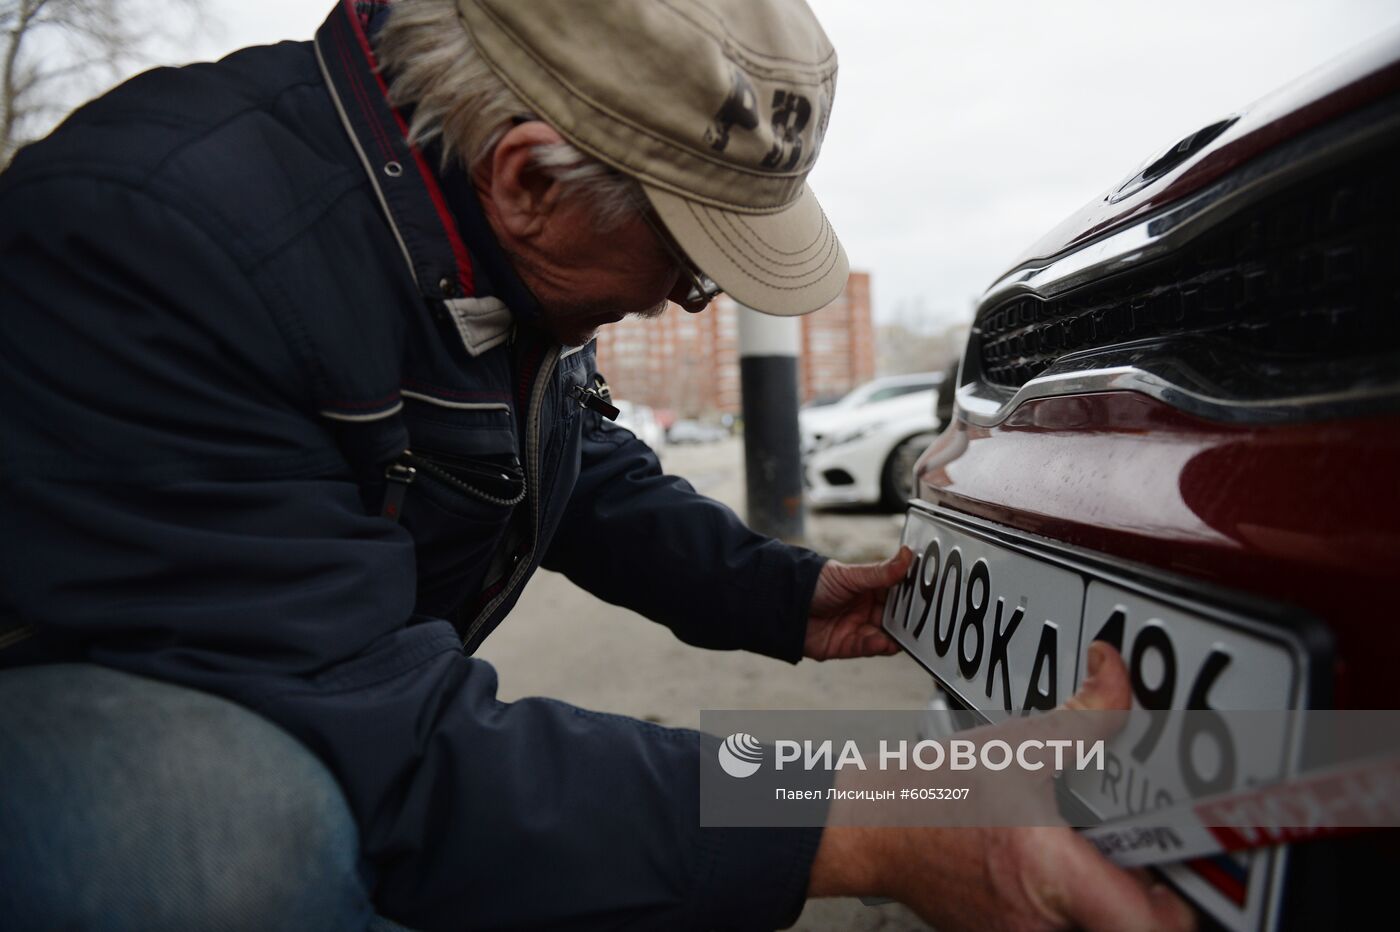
x=688 y=364
x=838 y=343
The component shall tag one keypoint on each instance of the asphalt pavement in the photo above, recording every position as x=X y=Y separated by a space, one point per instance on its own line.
x=564 y=643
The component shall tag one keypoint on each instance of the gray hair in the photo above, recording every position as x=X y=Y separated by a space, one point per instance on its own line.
x=433 y=67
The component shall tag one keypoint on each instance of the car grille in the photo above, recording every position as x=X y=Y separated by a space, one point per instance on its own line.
x=1310 y=271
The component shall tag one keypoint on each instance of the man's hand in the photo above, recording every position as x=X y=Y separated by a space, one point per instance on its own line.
x=847 y=606
x=1014 y=879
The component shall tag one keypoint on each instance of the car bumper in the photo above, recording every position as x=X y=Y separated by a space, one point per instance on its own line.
x=1304 y=514
x=846 y=474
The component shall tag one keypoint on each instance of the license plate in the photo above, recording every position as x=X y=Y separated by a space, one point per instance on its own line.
x=1004 y=622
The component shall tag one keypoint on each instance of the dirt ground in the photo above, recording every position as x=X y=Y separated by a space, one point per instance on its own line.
x=562 y=642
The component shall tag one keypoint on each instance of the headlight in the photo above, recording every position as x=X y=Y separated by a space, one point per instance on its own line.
x=850 y=434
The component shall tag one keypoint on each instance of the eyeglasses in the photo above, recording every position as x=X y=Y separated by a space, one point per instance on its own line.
x=702 y=286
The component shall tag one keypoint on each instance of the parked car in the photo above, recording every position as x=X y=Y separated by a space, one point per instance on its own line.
x=689 y=431
x=862 y=449
x=640 y=420
x=876 y=390
x=1177 y=428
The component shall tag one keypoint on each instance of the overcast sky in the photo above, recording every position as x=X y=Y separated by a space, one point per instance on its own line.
x=962 y=131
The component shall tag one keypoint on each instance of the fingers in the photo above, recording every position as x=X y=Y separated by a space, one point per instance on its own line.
x=882 y=575
x=839 y=583
x=1107 y=686
x=1105 y=691
x=1109 y=898
x=898 y=565
x=1169 y=911
x=877 y=643
x=863 y=642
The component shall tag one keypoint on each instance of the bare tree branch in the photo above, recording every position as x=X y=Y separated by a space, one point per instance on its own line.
x=55 y=52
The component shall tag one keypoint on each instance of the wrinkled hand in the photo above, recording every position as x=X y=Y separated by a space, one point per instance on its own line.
x=989 y=879
x=844 y=619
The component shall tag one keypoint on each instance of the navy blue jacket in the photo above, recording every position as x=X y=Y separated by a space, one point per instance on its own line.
x=231 y=296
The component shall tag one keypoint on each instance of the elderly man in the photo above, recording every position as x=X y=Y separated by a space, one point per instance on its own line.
x=300 y=392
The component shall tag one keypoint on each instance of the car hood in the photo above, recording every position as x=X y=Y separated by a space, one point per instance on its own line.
x=1360 y=77
x=915 y=404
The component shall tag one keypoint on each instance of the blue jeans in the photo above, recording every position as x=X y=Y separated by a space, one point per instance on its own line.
x=127 y=803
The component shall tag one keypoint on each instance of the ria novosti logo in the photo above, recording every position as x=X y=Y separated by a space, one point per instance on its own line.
x=740 y=755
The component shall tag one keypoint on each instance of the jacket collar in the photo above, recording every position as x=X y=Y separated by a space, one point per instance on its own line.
x=424 y=218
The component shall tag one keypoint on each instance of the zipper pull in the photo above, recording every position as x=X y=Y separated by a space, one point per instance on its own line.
x=591 y=399
x=398 y=477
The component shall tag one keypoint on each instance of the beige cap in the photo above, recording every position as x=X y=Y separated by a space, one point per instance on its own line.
x=717 y=107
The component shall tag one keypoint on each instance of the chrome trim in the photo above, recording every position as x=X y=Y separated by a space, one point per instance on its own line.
x=1168 y=381
x=1162 y=374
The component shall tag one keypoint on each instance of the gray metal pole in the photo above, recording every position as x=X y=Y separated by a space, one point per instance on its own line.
x=772 y=455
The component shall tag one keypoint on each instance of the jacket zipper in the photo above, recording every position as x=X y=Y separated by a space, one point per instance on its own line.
x=592 y=399
x=533 y=481
x=424 y=465
x=405 y=470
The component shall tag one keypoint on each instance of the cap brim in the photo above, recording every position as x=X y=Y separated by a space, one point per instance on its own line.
x=785 y=263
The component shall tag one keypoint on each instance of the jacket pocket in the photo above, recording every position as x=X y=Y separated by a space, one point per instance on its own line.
x=458 y=507
x=460 y=484
x=467 y=484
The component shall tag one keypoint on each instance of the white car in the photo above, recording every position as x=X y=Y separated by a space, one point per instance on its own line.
x=862 y=449
x=695 y=432
x=640 y=420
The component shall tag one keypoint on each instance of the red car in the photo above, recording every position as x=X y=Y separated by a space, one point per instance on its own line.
x=1178 y=428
